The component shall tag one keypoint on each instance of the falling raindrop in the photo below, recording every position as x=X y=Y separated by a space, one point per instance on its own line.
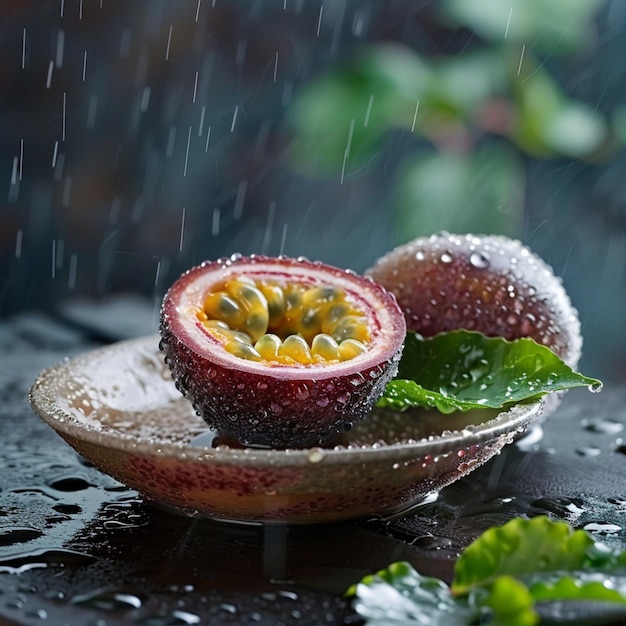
x=235 y=113
x=215 y=224
x=18 y=243
x=24 y=49
x=169 y=43
x=49 y=77
x=60 y=48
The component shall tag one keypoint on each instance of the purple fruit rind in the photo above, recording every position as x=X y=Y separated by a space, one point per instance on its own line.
x=489 y=283
x=275 y=412
x=276 y=405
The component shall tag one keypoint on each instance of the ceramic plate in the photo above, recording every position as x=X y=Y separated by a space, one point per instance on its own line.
x=118 y=407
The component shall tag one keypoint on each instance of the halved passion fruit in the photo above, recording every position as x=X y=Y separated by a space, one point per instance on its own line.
x=491 y=284
x=280 y=352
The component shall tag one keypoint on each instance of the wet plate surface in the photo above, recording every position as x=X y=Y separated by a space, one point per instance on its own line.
x=118 y=407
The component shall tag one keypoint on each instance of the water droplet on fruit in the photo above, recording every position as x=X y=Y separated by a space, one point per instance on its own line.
x=301 y=392
x=344 y=398
x=512 y=319
x=479 y=260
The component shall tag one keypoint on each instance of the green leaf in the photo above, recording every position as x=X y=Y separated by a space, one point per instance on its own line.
x=463 y=370
x=398 y=595
x=618 y=122
x=511 y=603
x=548 y=122
x=582 y=587
x=463 y=84
x=520 y=547
x=596 y=594
x=460 y=192
x=338 y=121
x=510 y=576
x=558 y=26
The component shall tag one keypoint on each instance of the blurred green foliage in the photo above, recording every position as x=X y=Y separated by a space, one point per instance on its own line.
x=473 y=116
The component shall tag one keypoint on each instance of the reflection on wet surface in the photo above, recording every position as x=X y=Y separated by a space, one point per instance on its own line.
x=78 y=547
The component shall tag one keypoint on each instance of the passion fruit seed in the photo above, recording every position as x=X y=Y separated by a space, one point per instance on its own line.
x=258 y=320
x=267 y=346
x=325 y=347
x=275 y=302
x=296 y=348
x=349 y=348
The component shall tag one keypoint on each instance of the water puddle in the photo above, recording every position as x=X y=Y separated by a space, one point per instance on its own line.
x=602 y=528
x=174 y=618
x=588 y=451
x=602 y=425
x=565 y=508
x=108 y=600
x=17 y=534
x=56 y=557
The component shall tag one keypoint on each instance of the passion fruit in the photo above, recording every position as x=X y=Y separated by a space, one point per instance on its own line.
x=280 y=352
x=491 y=284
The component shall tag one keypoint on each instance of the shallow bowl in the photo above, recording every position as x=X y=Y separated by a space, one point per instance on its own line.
x=118 y=407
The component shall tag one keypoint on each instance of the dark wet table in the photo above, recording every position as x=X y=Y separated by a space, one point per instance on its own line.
x=77 y=547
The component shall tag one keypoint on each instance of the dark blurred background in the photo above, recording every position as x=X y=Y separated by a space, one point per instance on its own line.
x=139 y=138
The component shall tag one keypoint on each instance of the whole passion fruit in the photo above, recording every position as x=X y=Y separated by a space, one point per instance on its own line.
x=280 y=352
x=491 y=284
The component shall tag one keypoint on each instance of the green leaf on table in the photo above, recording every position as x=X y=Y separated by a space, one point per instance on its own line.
x=463 y=370
x=398 y=595
x=520 y=547
x=510 y=603
x=585 y=586
x=510 y=576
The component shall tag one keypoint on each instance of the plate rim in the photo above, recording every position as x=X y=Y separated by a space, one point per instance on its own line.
x=510 y=421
